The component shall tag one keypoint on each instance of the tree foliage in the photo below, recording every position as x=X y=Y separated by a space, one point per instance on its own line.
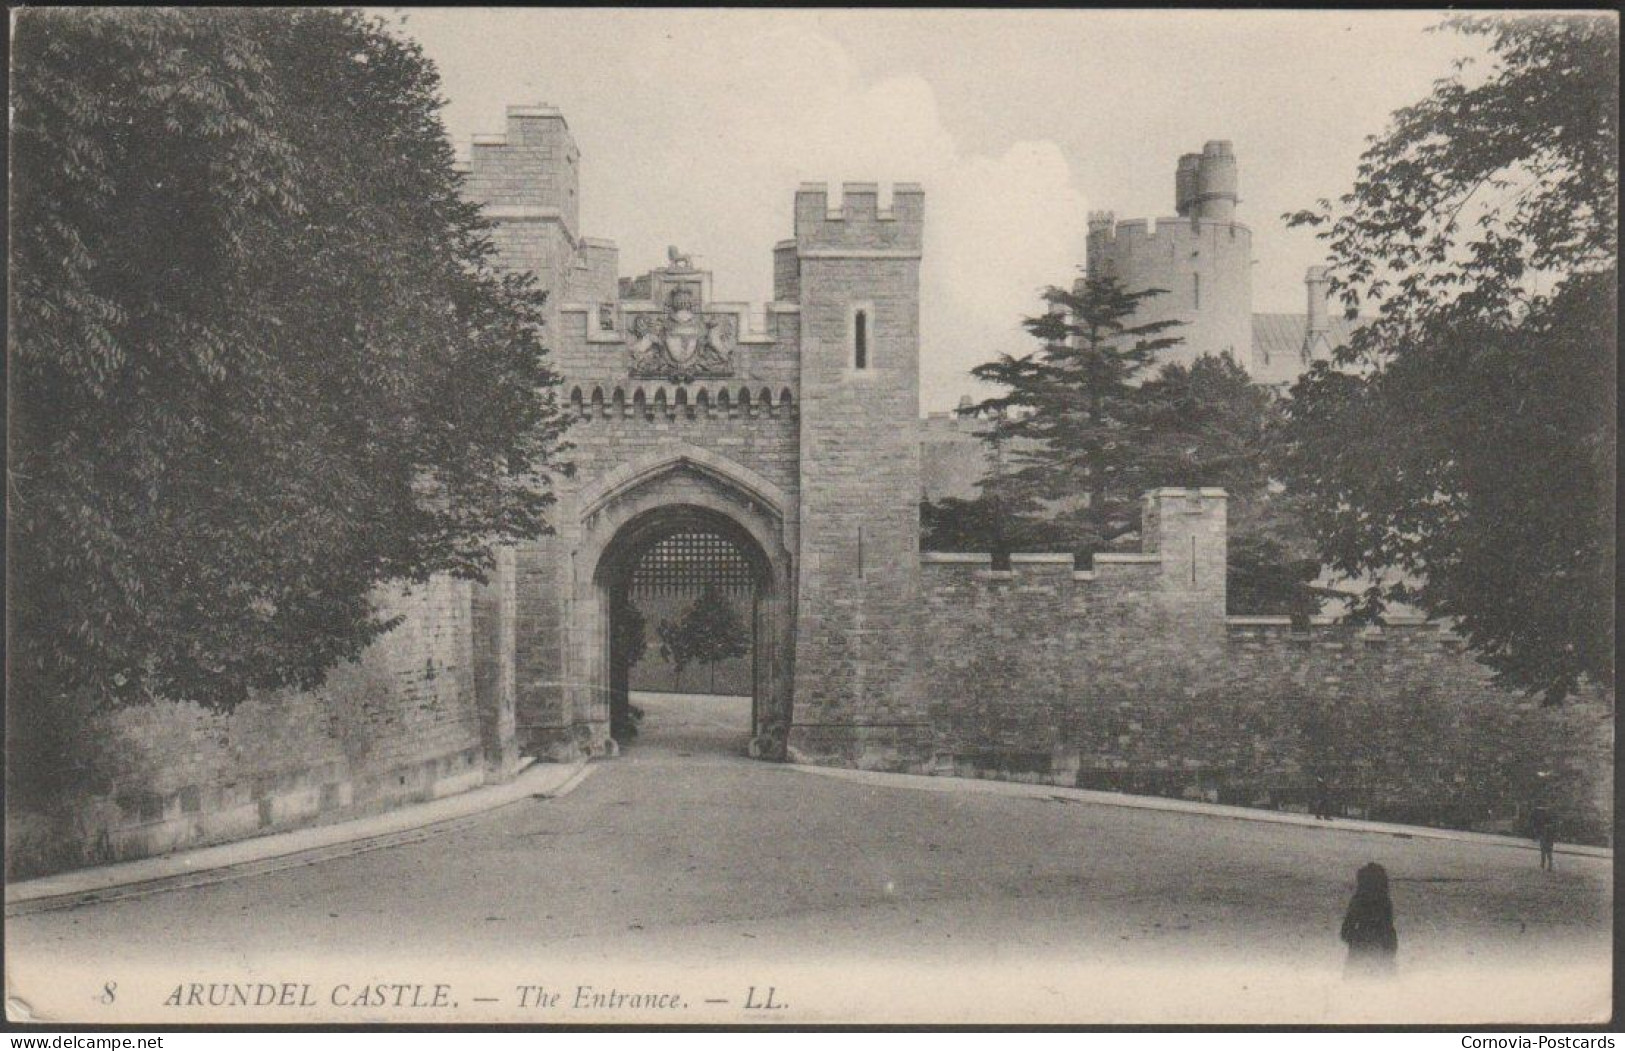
x=1466 y=437
x=1085 y=425
x=708 y=632
x=261 y=359
x=1072 y=422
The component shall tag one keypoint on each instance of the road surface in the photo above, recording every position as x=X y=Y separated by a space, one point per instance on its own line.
x=701 y=883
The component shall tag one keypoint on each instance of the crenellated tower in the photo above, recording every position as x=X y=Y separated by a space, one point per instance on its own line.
x=856 y=274
x=1201 y=258
x=788 y=436
x=528 y=181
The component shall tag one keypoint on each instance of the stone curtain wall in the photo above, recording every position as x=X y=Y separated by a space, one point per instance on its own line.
x=402 y=724
x=1409 y=727
x=1113 y=679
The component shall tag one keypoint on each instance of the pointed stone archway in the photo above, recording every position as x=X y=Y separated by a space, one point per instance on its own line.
x=689 y=547
x=681 y=494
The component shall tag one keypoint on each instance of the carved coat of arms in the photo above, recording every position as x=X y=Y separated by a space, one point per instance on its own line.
x=681 y=344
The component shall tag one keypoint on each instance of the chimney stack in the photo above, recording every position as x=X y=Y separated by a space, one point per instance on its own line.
x=1316 y=283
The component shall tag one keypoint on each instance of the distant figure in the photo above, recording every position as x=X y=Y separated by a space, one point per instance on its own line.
x=1544 y=827
x=1323 y=798
x=1368 y=926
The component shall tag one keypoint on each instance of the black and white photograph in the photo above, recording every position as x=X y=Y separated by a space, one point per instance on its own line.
x=678 y=517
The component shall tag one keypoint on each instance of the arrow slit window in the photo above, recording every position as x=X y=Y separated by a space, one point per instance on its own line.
x=860 y=331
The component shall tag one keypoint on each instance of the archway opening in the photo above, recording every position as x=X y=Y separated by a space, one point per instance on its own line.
x=689 y=597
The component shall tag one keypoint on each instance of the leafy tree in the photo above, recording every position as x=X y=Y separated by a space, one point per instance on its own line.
x=995 y=522
x=1466 y=437
x=708 y=633
x=1210 y=425
x=261 y=360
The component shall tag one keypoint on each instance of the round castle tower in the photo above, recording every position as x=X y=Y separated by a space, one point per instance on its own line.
x=1202 y=259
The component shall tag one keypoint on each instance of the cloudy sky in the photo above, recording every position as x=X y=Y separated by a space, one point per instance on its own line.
x=696 y=126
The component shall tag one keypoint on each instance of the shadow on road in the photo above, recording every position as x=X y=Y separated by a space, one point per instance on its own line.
x=685 y=725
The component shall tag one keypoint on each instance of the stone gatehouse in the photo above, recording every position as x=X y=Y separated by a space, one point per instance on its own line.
x=776 y=453
x=786 y=431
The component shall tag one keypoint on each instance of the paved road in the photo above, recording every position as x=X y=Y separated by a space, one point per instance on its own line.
x=684 y=865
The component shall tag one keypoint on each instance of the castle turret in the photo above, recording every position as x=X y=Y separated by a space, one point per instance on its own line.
x=1216 y=182
x=858 y=278
x=527 y=180
x=1201 y=259
x=786 y=272
x=1186 y=180
x=1317 y=333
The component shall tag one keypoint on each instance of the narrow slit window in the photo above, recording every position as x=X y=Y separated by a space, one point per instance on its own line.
x=1196 y=290
x=860 y=339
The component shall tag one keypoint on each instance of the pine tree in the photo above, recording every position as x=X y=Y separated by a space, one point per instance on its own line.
x=1074 y=417
x=1089 y=422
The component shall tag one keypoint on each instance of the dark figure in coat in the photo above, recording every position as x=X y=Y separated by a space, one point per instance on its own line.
x=1545 y=830
x=1323 y=798
x=1368 y=926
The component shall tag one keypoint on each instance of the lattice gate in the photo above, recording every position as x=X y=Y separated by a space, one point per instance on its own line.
x=689 y=561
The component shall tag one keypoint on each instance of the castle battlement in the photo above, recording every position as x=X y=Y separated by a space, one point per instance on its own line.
x=859 y=224
x=1139 y=570
x=755 y=324
x=1131 y=232
x=1413 y=636
x=1182 y=540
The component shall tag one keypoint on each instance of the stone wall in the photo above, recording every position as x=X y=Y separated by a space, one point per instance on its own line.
x=1116 y=678
x=954 y=458
x=401 y=724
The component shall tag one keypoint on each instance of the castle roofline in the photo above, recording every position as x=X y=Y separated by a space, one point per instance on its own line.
x=1150 y=227
x=539 y=109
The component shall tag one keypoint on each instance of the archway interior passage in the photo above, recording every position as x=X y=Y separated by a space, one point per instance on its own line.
x=687 y=569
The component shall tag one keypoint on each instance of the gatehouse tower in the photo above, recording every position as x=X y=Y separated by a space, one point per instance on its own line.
x=773 y=454
x=857 y=280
